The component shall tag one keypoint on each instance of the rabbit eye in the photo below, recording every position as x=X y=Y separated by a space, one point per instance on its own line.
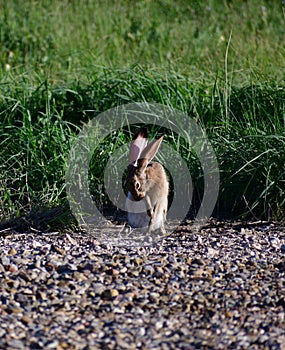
x=137 y=185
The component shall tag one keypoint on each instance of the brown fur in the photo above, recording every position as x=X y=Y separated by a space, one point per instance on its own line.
x=149 y=181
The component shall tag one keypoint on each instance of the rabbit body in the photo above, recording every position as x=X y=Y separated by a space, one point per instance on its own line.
x=147 y=186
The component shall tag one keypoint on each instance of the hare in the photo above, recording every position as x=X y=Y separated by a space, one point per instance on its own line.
x=147 y=185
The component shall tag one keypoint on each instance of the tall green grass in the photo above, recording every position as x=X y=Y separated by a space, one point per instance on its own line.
x=34 y=145
x=69 y=39
x=249 y=144
x=63 y=63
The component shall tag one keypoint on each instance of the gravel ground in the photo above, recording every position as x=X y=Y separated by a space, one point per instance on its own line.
x=222 y=287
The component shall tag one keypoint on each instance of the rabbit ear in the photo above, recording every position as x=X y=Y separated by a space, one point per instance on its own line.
x=138 y=144
x=151 y=149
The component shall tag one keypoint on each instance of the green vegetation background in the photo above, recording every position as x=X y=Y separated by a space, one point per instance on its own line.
x=64 y=62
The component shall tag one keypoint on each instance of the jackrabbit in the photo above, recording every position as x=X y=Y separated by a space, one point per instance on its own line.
x=147 y=185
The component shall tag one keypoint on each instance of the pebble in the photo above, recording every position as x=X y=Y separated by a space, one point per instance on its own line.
x=221 y=287
x=12 y=251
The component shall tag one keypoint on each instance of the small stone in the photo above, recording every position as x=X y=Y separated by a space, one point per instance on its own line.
x=13 y=268
x=80 y=277
x=5 y=260
x=14 y=309
x=16 y=344
x=198 y=262
x=57 y=249
x=115 y=272
x=110 y=294
x=275 y=242
x=97 y=288
x=12 y=251
x=71 y=240
x=23 y=274
x=159 y=325
x=52 y=345
x=26 y=319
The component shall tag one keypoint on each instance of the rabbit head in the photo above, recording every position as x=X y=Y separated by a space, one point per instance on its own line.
x=140 y=178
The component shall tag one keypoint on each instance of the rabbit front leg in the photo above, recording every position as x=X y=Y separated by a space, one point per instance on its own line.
x=151 y=213
x=157 y=219
x=149 y=208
